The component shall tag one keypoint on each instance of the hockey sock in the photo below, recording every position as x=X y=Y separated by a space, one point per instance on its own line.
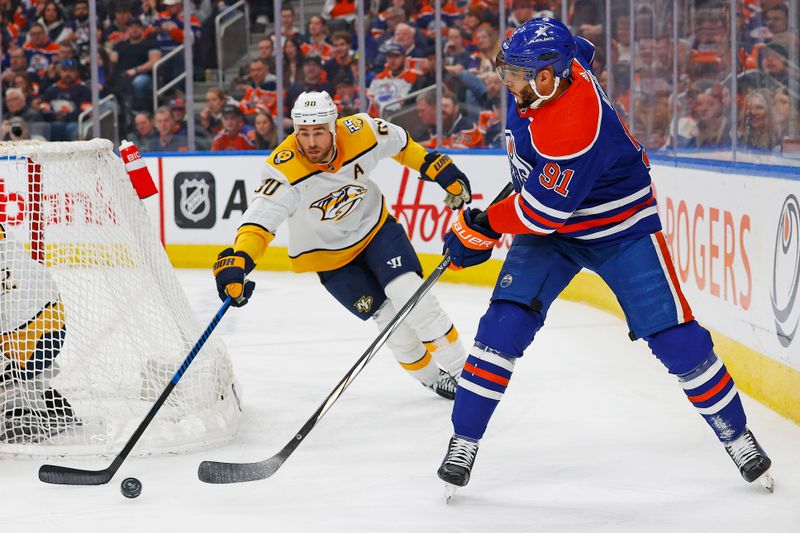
x=407 y=349
x=483 y=381
x=711 y=390
x=448 y=351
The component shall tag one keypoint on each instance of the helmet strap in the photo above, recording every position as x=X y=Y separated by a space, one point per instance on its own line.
x=541 y=98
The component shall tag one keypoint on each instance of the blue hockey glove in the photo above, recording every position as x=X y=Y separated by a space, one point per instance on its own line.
x=441 y=169
x=469 y=243
x=230 y=270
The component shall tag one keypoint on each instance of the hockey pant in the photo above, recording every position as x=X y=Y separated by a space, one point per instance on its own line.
x=426 y=340
x=507 y=329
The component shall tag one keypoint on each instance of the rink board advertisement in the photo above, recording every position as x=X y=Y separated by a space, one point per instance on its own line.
x=204 y=197
x=737 y=253
x=735 y=242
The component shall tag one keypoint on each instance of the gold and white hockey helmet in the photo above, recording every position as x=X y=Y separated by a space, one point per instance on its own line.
x=315 y=108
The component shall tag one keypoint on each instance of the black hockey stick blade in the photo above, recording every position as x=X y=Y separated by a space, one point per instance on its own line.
x=221 y=473
x=62 y=475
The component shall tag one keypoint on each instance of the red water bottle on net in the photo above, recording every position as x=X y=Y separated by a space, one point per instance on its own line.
x=137 y=170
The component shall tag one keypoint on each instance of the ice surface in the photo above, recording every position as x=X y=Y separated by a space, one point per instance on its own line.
x=592 y=436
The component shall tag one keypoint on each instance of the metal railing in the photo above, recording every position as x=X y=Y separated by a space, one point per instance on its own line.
x=233 y=21
x=158 y=91
x=109 y=129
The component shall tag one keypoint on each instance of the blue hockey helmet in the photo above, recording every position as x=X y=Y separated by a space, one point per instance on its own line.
x=537 y=44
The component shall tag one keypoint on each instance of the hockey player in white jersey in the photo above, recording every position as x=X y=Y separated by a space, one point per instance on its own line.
x=319 y=179
x=32 y=332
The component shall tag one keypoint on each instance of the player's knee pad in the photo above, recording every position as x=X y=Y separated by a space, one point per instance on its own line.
x=681 y=348
x=508 y=327
x=406 y=347
x=428 y=318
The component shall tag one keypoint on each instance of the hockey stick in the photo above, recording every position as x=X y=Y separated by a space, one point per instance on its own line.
x=62 y=475
x=217 y=472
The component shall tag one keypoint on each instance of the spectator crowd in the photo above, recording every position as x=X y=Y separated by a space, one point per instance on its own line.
x=45 y=69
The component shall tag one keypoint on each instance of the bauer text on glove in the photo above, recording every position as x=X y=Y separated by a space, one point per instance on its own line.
x=469 y=244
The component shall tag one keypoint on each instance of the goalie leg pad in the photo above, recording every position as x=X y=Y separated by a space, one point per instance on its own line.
x=406 y=347
x=687 y=351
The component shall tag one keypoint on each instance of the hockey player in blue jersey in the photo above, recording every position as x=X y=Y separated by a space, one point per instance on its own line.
x=583 y=200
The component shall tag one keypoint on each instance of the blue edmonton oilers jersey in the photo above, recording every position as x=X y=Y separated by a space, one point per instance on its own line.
x=580 y=173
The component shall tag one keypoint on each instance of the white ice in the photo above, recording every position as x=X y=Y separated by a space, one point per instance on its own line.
x=592 y=436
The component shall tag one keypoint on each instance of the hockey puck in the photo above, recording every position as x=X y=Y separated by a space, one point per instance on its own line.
x=131 y=487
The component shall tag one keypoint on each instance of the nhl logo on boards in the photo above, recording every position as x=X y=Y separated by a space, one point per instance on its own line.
x=786 y=272
x=195 y=200
x=364 y=304
x=506 y=281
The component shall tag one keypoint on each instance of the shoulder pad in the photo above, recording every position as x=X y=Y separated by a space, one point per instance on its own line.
x=568 y=127
x=352 y=124
x=290 y=163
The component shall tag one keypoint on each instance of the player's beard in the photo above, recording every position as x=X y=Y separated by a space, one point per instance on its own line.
x=526 y=98
x=321 y=158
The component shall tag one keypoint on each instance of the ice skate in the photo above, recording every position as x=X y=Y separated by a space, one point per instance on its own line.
x=457 y=464
x=445 y=386
x=751 y=459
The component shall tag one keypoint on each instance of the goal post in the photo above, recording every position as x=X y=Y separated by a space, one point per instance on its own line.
x=93 y=321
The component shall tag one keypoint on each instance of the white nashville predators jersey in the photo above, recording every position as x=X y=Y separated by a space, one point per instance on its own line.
x=333 y=210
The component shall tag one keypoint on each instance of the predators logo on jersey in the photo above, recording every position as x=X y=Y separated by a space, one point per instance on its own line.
x=341 y=202
x=282 y=157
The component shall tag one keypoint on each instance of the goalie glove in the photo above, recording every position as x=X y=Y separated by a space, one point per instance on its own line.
x=469 y=243
x=441 y=169
x=230 y=270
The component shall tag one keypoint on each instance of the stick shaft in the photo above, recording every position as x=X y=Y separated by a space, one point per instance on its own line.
x=59 y=475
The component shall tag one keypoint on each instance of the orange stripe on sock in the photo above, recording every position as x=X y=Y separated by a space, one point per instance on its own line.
x=708 y=394
x=485 y=374
x=422 y=362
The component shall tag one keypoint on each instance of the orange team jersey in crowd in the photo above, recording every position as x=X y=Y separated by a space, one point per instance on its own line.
x=466 y=138
x=255 y=98
x=241 y=141
x=322 y=49
x=486 y=119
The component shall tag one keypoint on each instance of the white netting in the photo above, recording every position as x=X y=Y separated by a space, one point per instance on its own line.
x=93 y=322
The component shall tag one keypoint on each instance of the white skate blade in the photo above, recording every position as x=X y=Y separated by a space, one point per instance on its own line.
x=766 y=481
x=449 y=492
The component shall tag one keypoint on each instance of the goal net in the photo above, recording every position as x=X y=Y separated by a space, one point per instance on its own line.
x=93 y=321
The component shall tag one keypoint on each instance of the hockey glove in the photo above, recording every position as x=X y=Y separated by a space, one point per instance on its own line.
x=469 y=244
x=441 y=169
x=230 y=271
